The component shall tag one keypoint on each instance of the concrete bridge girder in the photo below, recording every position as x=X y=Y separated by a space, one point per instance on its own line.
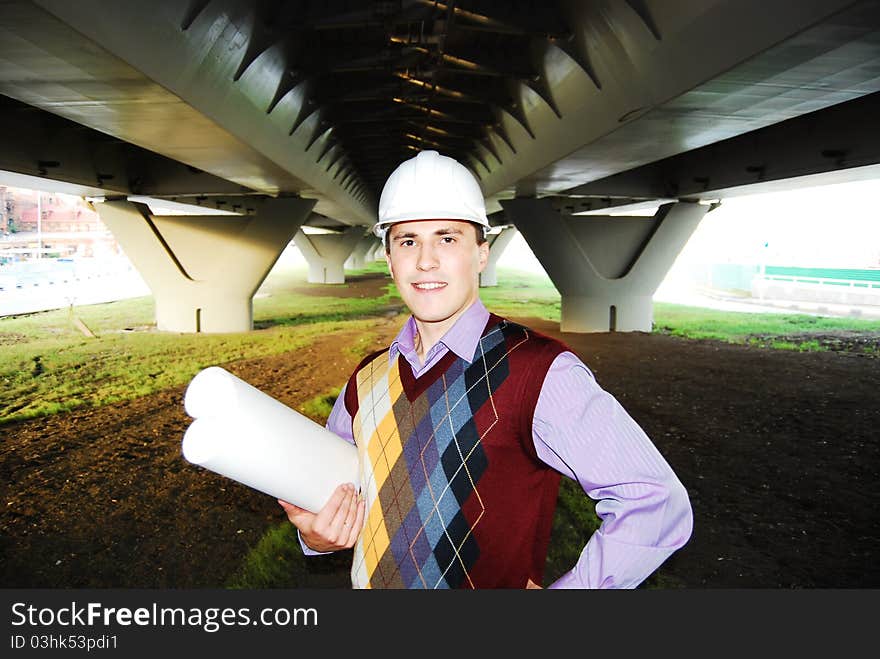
x=605 y=268
x=625 y=76
x=204 y=270
x=498 y=242
x=326 y=253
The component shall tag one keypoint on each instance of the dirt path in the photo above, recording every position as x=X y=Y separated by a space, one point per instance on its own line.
x=779 y=451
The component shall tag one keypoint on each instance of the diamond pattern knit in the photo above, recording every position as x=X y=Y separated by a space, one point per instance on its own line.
x=421 y=461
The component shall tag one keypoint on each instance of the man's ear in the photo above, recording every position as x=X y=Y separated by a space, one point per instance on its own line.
x=484 y=256
x=388 y=261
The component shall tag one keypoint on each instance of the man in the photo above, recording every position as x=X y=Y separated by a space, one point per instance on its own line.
x=465 y=423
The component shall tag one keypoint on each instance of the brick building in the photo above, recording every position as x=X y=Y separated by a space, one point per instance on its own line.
x=66 y=226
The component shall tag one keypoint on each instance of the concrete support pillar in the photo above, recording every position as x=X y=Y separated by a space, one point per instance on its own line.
x=378 y=253
x=358 y=258
x=326 y=253
x=204 y=270
x=497 y=244
x=605 y=268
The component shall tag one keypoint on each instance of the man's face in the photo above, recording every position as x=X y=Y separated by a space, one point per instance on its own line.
x=436 y=266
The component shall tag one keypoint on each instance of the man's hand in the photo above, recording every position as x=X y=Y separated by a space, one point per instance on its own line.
x=336 y=526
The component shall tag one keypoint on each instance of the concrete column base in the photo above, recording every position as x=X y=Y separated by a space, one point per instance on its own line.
x=498 y=242
x=489 y=276
x=326 y=254
x=358 y=258
x=204 y=270
x=354 y=262
x=326 y=273
x=191 y=311
x=377 y=253
x=607 y=314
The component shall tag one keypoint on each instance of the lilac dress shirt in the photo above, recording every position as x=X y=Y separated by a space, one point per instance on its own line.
x=581 y=431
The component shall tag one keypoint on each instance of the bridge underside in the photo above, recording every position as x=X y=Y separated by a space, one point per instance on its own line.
x=557 y=108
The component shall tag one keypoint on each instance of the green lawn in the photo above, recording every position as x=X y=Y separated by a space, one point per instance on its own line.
x=47 y=365
x=733 y=327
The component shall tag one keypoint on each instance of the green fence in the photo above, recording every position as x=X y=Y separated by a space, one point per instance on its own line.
x=845 y=275
x=738 y=276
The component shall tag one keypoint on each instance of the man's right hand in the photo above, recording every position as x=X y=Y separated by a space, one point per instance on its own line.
x=336 y=526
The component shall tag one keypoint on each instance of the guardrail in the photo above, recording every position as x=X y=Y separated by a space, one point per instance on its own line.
x=822 y=281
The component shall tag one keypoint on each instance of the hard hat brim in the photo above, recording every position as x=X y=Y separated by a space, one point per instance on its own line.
x=380 y=228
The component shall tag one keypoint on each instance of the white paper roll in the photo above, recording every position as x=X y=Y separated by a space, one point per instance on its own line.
x=210 y=392
x=244 y=434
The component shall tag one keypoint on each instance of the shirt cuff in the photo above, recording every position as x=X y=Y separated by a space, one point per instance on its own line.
x=308 y=551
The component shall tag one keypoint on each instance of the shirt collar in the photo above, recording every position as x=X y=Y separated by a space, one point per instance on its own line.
x=461 y=338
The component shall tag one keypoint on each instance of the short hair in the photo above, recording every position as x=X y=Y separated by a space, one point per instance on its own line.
x=481 y=235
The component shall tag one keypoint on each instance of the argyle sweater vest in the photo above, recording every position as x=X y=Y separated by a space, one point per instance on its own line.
x=456 y=496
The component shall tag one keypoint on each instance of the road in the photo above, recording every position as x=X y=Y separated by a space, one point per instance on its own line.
x=53 y=284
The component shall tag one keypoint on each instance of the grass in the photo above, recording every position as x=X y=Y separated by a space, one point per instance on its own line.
x=278 y=562
x=47 y=365
x=318 y=408
x=523 y=295
x=732 y=327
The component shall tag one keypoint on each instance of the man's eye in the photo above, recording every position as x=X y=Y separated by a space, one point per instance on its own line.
x=407 y=243
x=448 y=239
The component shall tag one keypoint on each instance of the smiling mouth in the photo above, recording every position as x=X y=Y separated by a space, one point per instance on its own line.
x=429 y=285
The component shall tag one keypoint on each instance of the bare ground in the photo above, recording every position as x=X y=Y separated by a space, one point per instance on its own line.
x=778 y=450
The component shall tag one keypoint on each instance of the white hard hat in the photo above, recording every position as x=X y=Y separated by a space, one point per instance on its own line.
x=430 y=187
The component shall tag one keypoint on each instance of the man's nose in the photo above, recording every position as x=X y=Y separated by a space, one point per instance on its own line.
x=427 y=258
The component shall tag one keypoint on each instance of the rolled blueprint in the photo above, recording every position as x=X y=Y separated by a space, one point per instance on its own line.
x=248 y=436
